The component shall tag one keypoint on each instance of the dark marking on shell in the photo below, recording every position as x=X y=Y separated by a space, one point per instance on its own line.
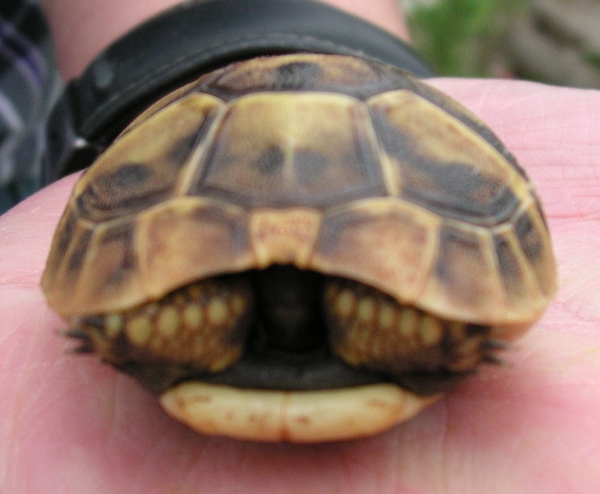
x=319 y=172
x=67 y=231
x=118 y=185
x=297 y=76
x=79 y=252
x=509 y=267
x=127 y=176
x=94 y=321
x=181 y=150
x=477 y=330
x=130 y=188
x=359 y=78
x=452 y=108
x=122 y=237
x=459 y=254
x=529 y=237
x=493 y=344
x=456 y=181
x=271 y=161
x=538 y=208
x=451 y=189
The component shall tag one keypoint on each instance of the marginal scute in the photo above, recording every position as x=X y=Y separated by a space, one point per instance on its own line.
x=108 y=275
x=65 y=233
x=518 y=280
x=535 y=244
x=282 y=236
x=464 y=285
x=191 y=239
x=383 y=242
x=67 y=256
x=76 y=256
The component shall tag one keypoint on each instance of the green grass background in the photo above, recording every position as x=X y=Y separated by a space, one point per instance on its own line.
x=463 y=37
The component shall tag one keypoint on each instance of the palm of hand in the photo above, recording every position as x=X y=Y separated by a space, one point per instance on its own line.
x=73 y=425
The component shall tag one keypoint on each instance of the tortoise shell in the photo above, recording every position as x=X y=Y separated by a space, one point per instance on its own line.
x=331 y=164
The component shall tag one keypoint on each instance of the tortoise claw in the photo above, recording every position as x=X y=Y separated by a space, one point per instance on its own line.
x=82 y=349
x=78 y=334
x=93 y=321
x=492 y=359
x=493 y=344
x=83 y=338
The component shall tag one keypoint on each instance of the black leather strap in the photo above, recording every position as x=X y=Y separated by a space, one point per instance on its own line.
x=188 y=40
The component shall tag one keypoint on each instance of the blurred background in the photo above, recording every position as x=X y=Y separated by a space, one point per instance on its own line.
x=553 y=41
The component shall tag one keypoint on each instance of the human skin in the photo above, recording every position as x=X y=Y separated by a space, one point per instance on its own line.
x=83 y=28
x=69 y=424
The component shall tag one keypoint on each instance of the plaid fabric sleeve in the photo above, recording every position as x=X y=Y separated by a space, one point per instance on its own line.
x=29 y=84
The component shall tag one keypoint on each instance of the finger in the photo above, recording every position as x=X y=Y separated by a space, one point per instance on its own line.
x=383 y=13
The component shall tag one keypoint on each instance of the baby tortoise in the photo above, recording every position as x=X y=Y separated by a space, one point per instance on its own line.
x=301 y=247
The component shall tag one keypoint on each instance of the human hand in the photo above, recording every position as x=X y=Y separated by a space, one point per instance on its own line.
x=69 y=424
